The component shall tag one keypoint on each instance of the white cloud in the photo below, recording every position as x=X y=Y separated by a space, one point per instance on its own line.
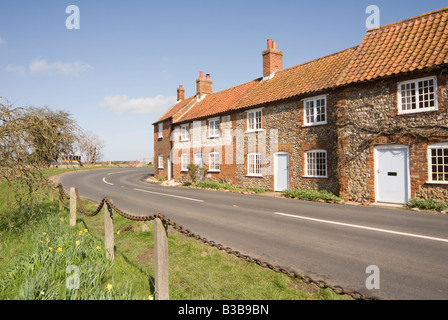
x=65 y=68
x=15 y=69
x=2 y=41
x=123 y=104
x=41 y=66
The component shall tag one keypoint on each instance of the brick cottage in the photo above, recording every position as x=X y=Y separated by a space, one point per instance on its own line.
x=368 y=123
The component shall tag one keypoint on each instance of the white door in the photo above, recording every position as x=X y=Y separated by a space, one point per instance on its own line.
x=281 y=171
x=199 y=160
x=392 y=174
x=170 y=172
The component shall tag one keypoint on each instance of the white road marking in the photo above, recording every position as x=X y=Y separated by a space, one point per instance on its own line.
x=104 y=180
x=168 y=195
x=364 y=227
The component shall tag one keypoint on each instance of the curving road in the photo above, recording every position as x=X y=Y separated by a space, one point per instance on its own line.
x=330 y=242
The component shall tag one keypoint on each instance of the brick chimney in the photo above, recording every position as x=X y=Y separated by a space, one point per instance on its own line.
x=204 y=86
x=180 y=93
x=272 y=59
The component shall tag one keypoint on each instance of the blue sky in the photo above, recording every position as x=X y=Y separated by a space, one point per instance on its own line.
x=118 y=73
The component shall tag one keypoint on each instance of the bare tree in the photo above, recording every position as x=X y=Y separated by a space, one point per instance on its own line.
x=90 y=146
x=31 y=139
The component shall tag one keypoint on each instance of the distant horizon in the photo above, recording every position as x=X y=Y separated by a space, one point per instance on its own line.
x=117 y=71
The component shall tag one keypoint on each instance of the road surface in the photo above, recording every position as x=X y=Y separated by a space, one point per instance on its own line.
x=335 y=243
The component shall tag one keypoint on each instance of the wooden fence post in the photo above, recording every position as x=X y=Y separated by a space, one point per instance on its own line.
x=108 y=232
x=72 y=206
x=161 y=260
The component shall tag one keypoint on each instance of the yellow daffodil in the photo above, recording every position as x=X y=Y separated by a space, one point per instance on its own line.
x=41 y=241
x=77 y=242
x=50 y=248
x=150 y=297
x=48 y=240
x=98 y=247
x=85 y=230
x=118 y=232
x=59 y=249
x=109 y=287
x=80 y=233
x=44 y=233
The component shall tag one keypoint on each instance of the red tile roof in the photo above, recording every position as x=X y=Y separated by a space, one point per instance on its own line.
x=409 y=45
x=413 y=44
x=309 y=77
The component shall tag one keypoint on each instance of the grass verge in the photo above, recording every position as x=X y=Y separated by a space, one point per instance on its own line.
x=29 y=269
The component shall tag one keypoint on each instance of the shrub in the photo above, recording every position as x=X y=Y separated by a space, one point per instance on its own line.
x=427 y=204
x=311 y=195
x=259 y=190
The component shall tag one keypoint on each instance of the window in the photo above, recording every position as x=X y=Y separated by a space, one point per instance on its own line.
x=213 y=128
x=254 y=164
x=185 y=161
x=160 y=130
x=160 y=161
x=184 y=134
x=315 y=110
x=316 y=164
x=438 y=163
x=214 y=162
x=417 y=95
x=254 y=122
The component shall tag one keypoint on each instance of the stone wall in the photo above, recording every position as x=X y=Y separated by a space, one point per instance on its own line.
x=367 y=117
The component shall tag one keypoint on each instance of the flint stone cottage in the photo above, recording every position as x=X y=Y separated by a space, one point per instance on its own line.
x=369 y=123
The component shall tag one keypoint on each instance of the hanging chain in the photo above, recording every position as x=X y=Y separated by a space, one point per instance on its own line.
x=279 y=269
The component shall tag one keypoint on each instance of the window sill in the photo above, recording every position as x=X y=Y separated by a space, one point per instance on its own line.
x=160 y=168
x=213 y=137
x=316 y=177
x=213 y=171
x=400 y=112
x=253 y=131
x=254 y=175
x=315 y=124
x=185 y=140
x=437 y=182
x=184 y=170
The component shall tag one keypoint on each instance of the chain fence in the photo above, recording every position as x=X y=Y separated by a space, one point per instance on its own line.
x=170 y=223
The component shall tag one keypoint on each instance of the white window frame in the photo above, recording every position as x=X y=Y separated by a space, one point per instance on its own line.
x=160 y=129
x=255 y=125
x=444 y=148
x=184 y=162
x=160 y=161
x=214 y=162
x=417 y=83
x=314 y=101
x=313 y=172
x=213 y=128
x=254 y=164
x=185 y=132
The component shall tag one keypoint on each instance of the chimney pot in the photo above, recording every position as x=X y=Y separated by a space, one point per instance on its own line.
x=180 y=93
x=272 y=59
x=204 y=86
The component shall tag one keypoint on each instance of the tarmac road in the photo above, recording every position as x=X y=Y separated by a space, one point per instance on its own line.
x=335 y=243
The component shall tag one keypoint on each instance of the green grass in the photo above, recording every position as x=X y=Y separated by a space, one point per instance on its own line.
x=427 y=204
x=311 y=195
x=211 y=184
x=30 y=270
